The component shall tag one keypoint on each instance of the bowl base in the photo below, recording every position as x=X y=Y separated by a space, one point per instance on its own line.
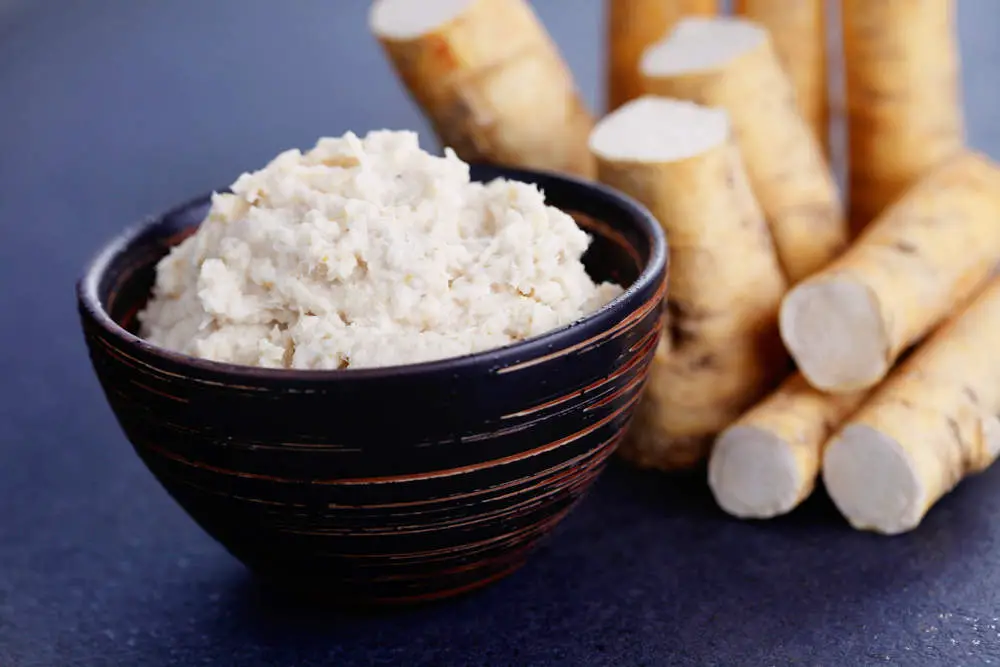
x=315 y=592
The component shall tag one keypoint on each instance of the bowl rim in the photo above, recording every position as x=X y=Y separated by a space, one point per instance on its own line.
x=88 y=296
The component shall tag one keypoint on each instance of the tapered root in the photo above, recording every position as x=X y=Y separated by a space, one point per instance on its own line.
x=846 y=325
x=929 y=425
x=903 y=97
x=489 y=79
x=731 y=64
x=768 y=461
x=721 y=352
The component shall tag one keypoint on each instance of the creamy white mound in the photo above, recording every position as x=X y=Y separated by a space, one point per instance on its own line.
x=369 y=252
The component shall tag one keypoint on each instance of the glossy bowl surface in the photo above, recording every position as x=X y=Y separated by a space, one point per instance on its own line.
x=394 y=484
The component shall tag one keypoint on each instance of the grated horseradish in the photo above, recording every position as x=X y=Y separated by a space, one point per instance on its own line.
x=369 y=252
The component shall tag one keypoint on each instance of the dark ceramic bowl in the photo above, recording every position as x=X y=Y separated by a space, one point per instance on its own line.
x=392 y=484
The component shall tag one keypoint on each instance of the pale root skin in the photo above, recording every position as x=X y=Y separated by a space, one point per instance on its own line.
x=846 y=325
x=766 y=463
x=494 y=86
x=903 y=97
x=632 y=26
x=929 y=425
x=798 y=31
x=783 y=158
x=721 y=352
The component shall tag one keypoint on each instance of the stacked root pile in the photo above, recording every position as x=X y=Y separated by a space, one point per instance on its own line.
x=810 y=335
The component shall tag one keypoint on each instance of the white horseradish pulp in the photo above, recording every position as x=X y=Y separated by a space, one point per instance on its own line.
x=369 y=252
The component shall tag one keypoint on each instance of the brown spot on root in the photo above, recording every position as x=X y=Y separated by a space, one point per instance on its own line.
x=682 y=324
x=463 y=129
x=956 y=433
x=971 y=395
x=963 y=454
x=680 y=311
x=906 y=404
x=905 y=247
x=830 y=425
x=443 y=53
x=702 y=362
x=679 y=335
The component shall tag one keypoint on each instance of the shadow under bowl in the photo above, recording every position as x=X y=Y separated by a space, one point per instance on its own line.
x=385 y=485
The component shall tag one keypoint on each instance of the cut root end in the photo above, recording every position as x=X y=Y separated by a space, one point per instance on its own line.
x=698 y=44
x=658 y=129
x=753 y=474
x=872 y=481
x=405 y=19
x=834 y=331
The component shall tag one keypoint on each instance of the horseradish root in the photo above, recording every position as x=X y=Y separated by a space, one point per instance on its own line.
x=846 y=325
x=930 y=425
x=722 y=352
x=798 y=31
x=634 y=25
x=489 y=79
x=730 y=63
x=766 y=463
x=903 y=97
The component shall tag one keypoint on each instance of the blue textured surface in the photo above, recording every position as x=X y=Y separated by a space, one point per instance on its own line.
x=112 y=109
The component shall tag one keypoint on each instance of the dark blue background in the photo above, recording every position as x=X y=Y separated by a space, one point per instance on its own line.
x=112 y=109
